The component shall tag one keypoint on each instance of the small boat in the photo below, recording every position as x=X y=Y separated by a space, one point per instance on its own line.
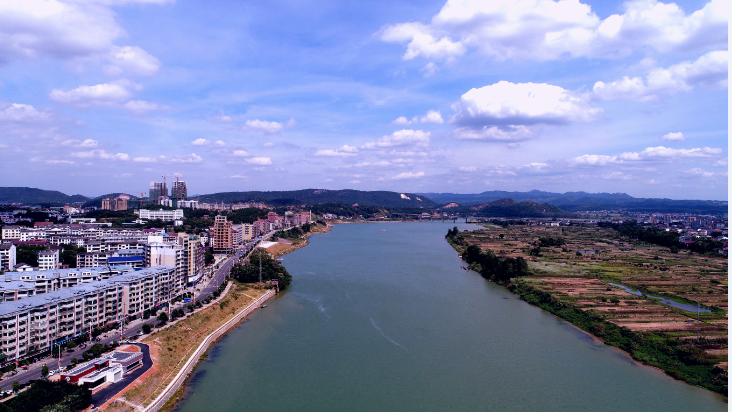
x=263 y=306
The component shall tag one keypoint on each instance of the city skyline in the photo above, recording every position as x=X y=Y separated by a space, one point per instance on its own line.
x=460 y=97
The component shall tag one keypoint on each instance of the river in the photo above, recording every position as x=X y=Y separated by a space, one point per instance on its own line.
x=381 y=317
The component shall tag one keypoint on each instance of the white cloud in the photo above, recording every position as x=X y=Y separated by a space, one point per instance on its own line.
x=60 y=162
x=268 y=144
x=267 y=127
x=546 y=30
x=648 y=154
x=506 y=134
x=408 y=175
x=263 y=161
x=354 y=181
x=241 y=153
x=506 y=103
x=674 y=137
x=344 y=151
x=468 y=169
x=239 y=177
x=145 y=159
x=698 y=172
x=18 y=112
x=141 y=107
x=429 y=69
x=192 y=158
x=405 y=137
x=220 y=143
x=132 y=59
x=72 y=31
x=200 y=142
x=401 y=120
x=89 y=143
x=617 y=176
x=709 y=71
x=101 y=154
x=432 y=116
x=105 y=95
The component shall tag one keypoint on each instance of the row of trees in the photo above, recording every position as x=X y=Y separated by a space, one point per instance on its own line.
x=491 y=266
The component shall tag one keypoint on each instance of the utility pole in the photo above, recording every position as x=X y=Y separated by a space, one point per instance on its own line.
x=697 y=322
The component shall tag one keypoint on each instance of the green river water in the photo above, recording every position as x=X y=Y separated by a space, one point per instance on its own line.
x=380 y=317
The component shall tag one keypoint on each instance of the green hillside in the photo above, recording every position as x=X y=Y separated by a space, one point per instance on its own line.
x=28 y=195
x=318 y=196
x=512 y=208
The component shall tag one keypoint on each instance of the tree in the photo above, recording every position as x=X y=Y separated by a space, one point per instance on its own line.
x=44 y=371
x=16 y=386
x=74 y=361
x=249 y=273
x=210 y=259
x=146 y=328
x=28 y=254
x=163 y=317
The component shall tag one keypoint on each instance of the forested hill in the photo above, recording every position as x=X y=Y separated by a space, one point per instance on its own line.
x=512 y=208
x=576 y=201
x=318 y=196
x=28 y=195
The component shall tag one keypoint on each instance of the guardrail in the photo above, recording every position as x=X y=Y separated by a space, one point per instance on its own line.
x=203 y=347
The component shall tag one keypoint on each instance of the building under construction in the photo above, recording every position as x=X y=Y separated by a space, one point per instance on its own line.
x=158 y=190
x=115 y=204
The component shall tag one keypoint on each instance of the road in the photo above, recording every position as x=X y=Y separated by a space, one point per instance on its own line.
x=131 y=329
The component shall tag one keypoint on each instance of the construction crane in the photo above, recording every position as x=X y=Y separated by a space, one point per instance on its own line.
x=142 y=194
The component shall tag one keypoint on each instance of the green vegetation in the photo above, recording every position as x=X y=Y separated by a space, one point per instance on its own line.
x=68 y=255
x=680 y=359
x=29 y=195
x=487 y=263
x=28 y=254
x=249 y=273
x=49 y=396
x=320 y=196
x=661 y=237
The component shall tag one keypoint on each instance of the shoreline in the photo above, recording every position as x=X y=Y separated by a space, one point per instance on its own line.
x=175 y=390
x=516 y=291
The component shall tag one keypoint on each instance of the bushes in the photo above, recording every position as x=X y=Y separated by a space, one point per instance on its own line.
x=50 y=396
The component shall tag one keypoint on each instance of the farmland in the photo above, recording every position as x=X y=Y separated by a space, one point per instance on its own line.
x=572 y=267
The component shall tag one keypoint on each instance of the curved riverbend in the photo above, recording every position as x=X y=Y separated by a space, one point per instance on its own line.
x=382 y=317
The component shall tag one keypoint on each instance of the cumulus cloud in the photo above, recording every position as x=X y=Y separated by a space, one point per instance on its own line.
x=546 y=30
x=344 y=151
x=192 y=158
x=241 y=153
x=267 y=127
x=708 y=71
x=405 y=137
x=18 y=112
x=674 y=137
x=200 y=142
x=105 y=95
x=698 y=172
x=79 y=143
x=220 y=143
x=262 y=161
x=60 y=162
x=468 y=169
x=101 y=154
x=506 y=103
x=69 y=31
x=408 y=175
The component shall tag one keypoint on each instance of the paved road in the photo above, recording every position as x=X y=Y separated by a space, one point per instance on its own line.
x=99 y=398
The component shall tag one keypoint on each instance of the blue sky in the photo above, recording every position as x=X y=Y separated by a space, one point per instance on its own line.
x=463 y=96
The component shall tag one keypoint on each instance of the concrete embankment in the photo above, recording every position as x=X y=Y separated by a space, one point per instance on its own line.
x=180 y=378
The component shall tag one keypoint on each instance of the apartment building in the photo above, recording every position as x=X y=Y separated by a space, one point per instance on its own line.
x=11 y=232
x=167 y=254
x=193 y=257
x=35 y=323
x=248 y=231
x=48 y=259
x=7 y=256
x=221 y=236
x=17 y=285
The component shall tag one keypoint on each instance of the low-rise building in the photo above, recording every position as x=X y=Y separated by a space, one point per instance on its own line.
x=48 y=259
x=164 y=215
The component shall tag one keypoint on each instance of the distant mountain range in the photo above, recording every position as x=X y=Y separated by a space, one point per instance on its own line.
x=511 y=208
x=317 y=196
x=30 y=196
x=576 y=201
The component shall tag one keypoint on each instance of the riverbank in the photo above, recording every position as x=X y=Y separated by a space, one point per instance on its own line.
x=173 y=347
x=594 y=307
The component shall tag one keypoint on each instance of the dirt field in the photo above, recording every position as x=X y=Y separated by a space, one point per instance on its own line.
x=604 y=257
